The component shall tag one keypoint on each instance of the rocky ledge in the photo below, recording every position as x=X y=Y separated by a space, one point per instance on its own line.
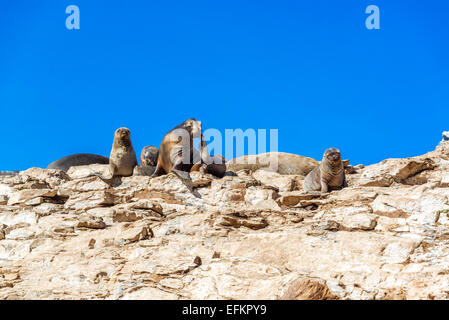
x=255 y=235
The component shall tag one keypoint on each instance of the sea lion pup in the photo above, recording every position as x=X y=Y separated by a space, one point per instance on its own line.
x=176 y=151
x=148 y=156
x=215 y=165
x=80 y=159
x=122 y=159
x=330 y=175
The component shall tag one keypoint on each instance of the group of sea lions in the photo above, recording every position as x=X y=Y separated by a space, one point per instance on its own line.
x=176 y=154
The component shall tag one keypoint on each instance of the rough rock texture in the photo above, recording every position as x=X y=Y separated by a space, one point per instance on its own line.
x=255 y=235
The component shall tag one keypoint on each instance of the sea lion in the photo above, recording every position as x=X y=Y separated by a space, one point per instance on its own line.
x=176 y=151
x=330 y=175
x=282 y=162
x=148 y=156
x=215 y=165
x=122 y=159
x=80 y=159
x=143 y=170
x=9 y=173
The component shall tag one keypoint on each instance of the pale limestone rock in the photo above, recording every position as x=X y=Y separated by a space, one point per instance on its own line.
x=82 y=185
x=292 y=198
x=92 y=222
x=149 y=293
x=79 y=172
x=395 y=170
x=50 y=177
x=27 y=195
x=89 y=200
x=3 y=199
x=249 y=236
x=281 y=182
x=5 y=190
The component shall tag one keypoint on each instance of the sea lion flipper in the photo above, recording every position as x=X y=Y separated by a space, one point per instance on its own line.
x=158 y=171
x=187 y=181
x=184 y=176
x=107 y=180
x=324 y=187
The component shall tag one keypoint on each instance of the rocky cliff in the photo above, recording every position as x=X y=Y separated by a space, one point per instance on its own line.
x=251 y=236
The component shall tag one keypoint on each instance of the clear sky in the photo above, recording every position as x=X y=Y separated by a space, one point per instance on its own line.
x=308 y=68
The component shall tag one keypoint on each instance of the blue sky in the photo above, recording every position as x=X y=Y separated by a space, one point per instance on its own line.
x=308 y=68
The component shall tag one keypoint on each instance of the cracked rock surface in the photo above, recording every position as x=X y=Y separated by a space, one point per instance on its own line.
x=255 y=235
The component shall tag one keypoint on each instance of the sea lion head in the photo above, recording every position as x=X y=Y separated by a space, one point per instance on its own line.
x=123 y=133
x=194 y=127
x=332 y=155
x=148 y=157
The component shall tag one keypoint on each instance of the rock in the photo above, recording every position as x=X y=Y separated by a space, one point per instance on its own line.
x=5 y=190
x=79 y=172
x=254 y=195
x=294 y=197
x=136 y=211
x=266 y=205
x=444 y=182
x=359 y=222
x=284 y=163
x=92 y=243
x=3 y=199
x=12 y=218
x=308 y=289
x=132 y=233
x=251 y=235
x=89 y=200
x=20 y=234
x=394 y=170
x=34 y=201
x=82 y=185
x=445 y=135
x=2 y=231
x=49 y=177
x=282 y=183
x=92 y=222
x=27 y=195
x=46 y=208
x=64 y=230
x=233 y=221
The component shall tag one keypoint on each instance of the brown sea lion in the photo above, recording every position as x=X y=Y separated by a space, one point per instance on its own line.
x=284 y=163
x=148 y=156
x=330 y=175
x=143 y=170
x=80 y=159
x=176 y=151
x=9 y=173
x=215 y=165
x=122 y=159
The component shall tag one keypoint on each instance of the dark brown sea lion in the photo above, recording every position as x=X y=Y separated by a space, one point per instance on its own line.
x=215 y=165
x=80 y=159
x=9 y=173
x=176 y=151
